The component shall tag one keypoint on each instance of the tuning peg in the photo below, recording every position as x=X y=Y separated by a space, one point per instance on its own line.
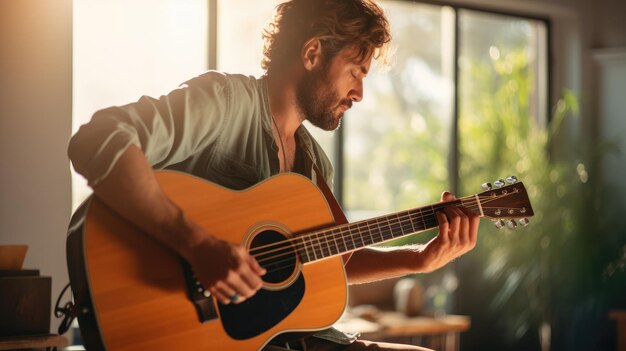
x=524 y=222
x=511 y=224
x=487 y=186
x=499 y=183
x=511 y=179
x=499 y=223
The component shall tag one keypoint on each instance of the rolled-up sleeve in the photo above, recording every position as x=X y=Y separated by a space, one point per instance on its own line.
x=168 y=129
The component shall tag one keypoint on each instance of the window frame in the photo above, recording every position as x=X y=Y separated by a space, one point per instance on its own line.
x=453 y=157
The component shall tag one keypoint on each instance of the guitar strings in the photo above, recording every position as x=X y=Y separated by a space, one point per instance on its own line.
x=287 y=249
x=323 y=234
x=276 y=266
x=326 y=238
x=408 y=213
x=288 y=253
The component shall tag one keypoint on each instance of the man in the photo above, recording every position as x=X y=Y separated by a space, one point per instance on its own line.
x=237 y=131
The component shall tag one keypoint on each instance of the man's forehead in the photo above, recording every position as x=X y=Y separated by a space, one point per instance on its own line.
x=353 y=55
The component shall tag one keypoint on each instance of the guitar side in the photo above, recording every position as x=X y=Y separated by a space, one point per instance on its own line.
x=137 y=287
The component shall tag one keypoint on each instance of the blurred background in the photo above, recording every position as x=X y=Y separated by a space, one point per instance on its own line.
x=478 y=90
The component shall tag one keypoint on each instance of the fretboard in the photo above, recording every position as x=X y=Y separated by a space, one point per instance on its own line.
x=341 y=239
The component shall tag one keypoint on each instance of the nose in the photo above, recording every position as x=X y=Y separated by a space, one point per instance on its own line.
x=356 y=93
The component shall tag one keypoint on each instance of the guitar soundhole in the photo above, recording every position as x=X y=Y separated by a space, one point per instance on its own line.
x=282 y=292
x=275 y=254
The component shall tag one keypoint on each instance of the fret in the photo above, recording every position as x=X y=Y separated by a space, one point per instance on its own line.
x=356 y=234
x=313 y=243
x=385 y=230
x=370 y=232
x=364 y=238
x=370 y=224
x=304 y=250
x=374 y=229
x=324 y=244
x=380 y=225
x=319 y=251
x=422 y=218
x=341 y=244
x=380 y=230
x=394 y=226
x=410 y=213
x=336 y=246
x=350 y=236
x=391 y=231
x=321 y=239
x=404 y=223
x=343 y=240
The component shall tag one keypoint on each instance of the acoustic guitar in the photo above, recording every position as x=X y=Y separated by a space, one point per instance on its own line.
x=133 y=293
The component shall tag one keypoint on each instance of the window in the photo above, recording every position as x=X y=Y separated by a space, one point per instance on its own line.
x=421 y=128
x=123 y=51
x=502 y=90
x=397 y=140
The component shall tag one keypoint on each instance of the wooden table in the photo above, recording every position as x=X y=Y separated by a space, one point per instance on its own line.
x=49 y=342
x=440 y=333
x=620 y=317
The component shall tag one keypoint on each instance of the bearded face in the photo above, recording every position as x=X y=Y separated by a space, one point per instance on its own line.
x=318 y=100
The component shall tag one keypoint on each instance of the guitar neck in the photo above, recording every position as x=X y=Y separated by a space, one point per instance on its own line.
x=345 y=238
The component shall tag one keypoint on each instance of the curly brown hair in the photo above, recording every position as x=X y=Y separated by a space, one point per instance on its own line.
x=338 y=24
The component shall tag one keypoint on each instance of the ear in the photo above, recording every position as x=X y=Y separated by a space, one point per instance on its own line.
x=311 y=54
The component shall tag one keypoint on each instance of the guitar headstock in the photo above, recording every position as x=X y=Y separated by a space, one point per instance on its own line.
x=503 y=203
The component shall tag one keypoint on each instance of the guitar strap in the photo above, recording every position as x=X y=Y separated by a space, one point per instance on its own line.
x=339 y=216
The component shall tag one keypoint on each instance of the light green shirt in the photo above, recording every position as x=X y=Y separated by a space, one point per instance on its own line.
x=216 y=126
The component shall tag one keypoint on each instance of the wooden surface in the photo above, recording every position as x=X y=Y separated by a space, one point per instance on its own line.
x=32 y=342
x=438 y=333
x=392 y=324
x=620 y=317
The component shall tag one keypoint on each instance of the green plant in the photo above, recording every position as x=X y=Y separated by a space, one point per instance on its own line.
x=551 y=277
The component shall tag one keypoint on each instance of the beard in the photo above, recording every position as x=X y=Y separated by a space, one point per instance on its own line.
x=318 y=100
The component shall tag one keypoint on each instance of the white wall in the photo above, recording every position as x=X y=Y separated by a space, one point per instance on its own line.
x=35 y=122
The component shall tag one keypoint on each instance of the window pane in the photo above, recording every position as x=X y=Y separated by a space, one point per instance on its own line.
x=239 y=41
x=397 y=139
x=502 y=74
x=125 y=49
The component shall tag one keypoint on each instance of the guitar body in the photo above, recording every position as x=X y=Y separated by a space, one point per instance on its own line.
x=133 y=293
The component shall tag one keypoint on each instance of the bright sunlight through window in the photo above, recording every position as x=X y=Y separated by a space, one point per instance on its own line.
x=126 y=49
